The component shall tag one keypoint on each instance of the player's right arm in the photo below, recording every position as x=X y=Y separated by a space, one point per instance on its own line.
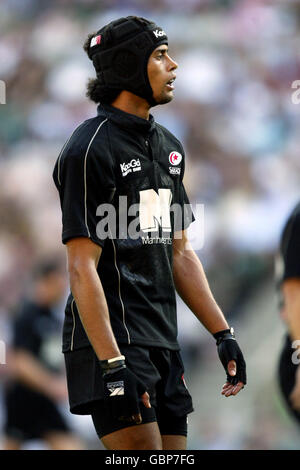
x=86 y=287
x=84 y=177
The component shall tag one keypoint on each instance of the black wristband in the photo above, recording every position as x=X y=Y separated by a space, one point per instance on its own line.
x=111 y=367
x=224 y=334
x=112 y=370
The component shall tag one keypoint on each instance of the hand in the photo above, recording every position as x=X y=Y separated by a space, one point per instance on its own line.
x=233 y=362
x=122 y=390
x=295 y=394
x=228 y=388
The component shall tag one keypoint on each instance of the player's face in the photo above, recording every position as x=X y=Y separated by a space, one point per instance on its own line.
x=161 y=73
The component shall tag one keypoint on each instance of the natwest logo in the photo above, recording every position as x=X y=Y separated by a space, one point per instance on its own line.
x=133 y=165
x=175 y=158
x=158 y=33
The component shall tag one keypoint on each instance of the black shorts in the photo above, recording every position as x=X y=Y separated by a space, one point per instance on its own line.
x=286 y=373
x=30 y=415
x=161 y=370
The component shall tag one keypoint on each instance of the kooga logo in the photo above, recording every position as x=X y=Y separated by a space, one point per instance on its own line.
x=133 y=165
x=159 y=33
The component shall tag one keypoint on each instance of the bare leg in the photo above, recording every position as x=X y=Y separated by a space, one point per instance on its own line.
x=173 y=442
x=139 y=437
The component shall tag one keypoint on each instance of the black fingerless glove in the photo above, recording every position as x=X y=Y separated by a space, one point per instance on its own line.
x=122 y=390
x=228 y=349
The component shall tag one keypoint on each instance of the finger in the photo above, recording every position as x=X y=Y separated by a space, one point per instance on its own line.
x=146 y=400
x=224 y=390
x=237 y=388
x=228 y=391
x=227 y=385
x=231 y=367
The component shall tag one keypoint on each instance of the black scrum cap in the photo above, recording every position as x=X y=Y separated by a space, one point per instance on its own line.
x=120 y=53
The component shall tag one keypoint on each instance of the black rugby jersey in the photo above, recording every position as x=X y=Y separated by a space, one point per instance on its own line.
x=117 y=158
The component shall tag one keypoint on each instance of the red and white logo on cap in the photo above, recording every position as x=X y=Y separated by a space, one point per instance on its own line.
x=175 y=158
x=95 y=41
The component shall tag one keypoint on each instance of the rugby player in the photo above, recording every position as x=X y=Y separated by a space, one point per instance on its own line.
x=120 y=333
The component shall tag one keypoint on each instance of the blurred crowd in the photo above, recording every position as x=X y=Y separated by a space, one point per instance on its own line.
x=232 y=111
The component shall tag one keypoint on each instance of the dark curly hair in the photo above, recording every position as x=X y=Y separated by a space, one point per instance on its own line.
x=96 y=91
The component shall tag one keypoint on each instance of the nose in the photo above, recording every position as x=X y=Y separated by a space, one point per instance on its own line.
x=173 y=65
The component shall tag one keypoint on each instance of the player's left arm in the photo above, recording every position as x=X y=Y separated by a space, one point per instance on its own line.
x=192 y=286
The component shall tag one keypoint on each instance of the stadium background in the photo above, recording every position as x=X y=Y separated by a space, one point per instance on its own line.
x=234 y=114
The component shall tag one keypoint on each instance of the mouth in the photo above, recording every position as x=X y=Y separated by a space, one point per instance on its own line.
x=170 y=83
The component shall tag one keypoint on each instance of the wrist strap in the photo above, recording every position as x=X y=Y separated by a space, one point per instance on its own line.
x=224 y=334
x=114 y=370
x=119 y=358
x=113 y=364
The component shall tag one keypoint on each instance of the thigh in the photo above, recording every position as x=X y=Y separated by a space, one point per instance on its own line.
x=138 y=437
x=144 y=435
x=105 y=423
x=170 y=442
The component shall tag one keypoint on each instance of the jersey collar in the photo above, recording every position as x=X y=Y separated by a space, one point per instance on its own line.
x=126 y=120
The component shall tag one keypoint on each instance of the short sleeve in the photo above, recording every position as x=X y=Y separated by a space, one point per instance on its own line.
x=185 y=215
x=291 y=248
x=85 y=183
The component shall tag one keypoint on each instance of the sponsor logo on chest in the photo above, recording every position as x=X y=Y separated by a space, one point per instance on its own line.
x=175 y=159
x=133 y=165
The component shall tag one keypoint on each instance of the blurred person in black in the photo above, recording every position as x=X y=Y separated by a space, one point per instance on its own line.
x=120 y=332
x=38 y=383
x=288 y=278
